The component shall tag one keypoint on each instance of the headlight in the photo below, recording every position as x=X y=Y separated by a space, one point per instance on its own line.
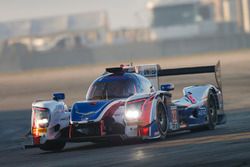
x=43 y=122
x=40 y=117
x=132 y=114
x=133 y=109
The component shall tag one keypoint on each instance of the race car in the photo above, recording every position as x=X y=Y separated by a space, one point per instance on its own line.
x=128 y=102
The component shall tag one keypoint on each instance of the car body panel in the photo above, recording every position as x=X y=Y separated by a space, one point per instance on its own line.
x=125 y=102
x=88 y=110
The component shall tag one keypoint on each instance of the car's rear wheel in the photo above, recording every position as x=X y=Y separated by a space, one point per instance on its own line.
x=161 y=119
x=53 y=145
x=212 y=112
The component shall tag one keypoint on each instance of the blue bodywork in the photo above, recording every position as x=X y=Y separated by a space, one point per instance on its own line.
x=194 y=116
x=88 y=110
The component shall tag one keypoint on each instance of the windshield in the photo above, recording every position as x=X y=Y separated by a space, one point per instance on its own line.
x=111 y=89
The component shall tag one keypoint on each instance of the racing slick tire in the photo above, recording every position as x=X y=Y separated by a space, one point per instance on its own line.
x=53 y=145
x=161 y=119
x=212 y=112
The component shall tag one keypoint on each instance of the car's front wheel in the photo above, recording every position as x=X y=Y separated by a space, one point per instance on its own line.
x=161 y=119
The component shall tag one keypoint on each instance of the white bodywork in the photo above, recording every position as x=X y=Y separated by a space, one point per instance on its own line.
x=59 y=115
x=150 y=71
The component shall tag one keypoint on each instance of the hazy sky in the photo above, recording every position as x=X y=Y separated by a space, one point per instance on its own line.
x=122 y=13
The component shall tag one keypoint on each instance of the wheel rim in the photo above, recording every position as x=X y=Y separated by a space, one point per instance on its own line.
x=212 y=112
x=161 y=118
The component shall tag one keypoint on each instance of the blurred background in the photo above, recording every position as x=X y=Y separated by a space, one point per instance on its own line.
x=50 y=46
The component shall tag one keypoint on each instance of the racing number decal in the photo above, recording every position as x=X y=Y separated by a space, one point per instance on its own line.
x=174 y=123
x=174 y=114
x=191 y=98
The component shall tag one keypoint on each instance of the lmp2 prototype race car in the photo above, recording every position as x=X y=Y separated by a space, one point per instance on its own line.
x=127 y=102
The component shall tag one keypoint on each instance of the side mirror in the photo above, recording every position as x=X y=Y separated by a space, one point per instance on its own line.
x=58 y=96
x=167 y=87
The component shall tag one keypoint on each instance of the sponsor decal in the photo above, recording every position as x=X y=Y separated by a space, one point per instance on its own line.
x=156 y=133
x=174 y=114
x=202 y=111
x=87 y=113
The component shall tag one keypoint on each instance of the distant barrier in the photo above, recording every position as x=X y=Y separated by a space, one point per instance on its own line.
x=173 y=47
x=18 y=58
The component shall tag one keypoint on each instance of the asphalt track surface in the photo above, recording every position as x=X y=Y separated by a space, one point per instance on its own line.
x=228 y=145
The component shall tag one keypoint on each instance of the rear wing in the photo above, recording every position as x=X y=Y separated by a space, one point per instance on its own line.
x=216 y=69
x=153 y=72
